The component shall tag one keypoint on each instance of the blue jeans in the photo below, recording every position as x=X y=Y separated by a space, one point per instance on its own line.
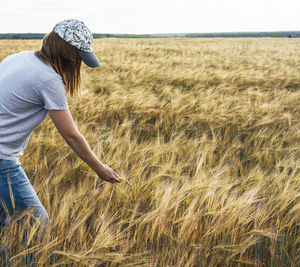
x=17 y=195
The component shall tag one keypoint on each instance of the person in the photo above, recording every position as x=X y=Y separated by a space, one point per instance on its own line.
x=32 y=85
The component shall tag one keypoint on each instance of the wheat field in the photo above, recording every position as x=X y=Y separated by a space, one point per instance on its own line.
x=205 y=135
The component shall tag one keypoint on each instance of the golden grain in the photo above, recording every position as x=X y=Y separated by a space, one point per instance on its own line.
x=205 y=135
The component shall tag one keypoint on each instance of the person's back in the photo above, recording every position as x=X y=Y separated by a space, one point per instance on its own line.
x=28 y=89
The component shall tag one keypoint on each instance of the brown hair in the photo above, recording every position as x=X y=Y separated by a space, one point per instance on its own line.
x=64 y=58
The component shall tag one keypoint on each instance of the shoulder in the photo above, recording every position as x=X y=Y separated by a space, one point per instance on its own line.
x=48 y=71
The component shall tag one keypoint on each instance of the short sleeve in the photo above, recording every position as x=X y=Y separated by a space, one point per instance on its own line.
x=54 y=95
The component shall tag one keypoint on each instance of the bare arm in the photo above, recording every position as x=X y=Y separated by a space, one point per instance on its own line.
x=64 y=123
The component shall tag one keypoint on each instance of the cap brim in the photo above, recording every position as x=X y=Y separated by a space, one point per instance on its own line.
x=89 y=58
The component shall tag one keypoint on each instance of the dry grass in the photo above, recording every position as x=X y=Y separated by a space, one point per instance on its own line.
x=205 y=133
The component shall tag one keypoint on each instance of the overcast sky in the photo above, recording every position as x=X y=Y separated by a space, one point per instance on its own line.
x=151 y=16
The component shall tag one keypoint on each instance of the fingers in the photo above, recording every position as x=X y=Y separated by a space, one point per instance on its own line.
x=114 y=179
x=110 y=175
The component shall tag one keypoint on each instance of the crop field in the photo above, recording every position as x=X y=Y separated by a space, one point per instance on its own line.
x=205 y=135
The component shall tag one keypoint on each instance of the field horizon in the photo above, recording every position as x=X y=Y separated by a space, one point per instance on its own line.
x=244 y=34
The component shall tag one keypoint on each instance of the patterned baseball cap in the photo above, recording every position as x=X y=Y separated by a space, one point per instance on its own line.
x=76 y=33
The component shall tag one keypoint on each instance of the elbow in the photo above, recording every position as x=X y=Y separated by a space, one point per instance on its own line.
x=72 y=137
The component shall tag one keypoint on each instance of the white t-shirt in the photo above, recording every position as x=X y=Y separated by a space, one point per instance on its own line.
x=28 y=89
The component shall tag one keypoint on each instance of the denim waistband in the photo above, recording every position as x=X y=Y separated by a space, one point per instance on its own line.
x=6 y=165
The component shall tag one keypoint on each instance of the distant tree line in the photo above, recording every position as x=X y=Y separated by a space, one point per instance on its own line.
x=290 y=34
x=112 y=35
x=22 y=36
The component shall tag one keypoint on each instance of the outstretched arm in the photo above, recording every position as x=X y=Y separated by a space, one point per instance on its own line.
x=64 y=123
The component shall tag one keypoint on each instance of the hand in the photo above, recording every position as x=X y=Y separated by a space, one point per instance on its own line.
x=107 y=174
